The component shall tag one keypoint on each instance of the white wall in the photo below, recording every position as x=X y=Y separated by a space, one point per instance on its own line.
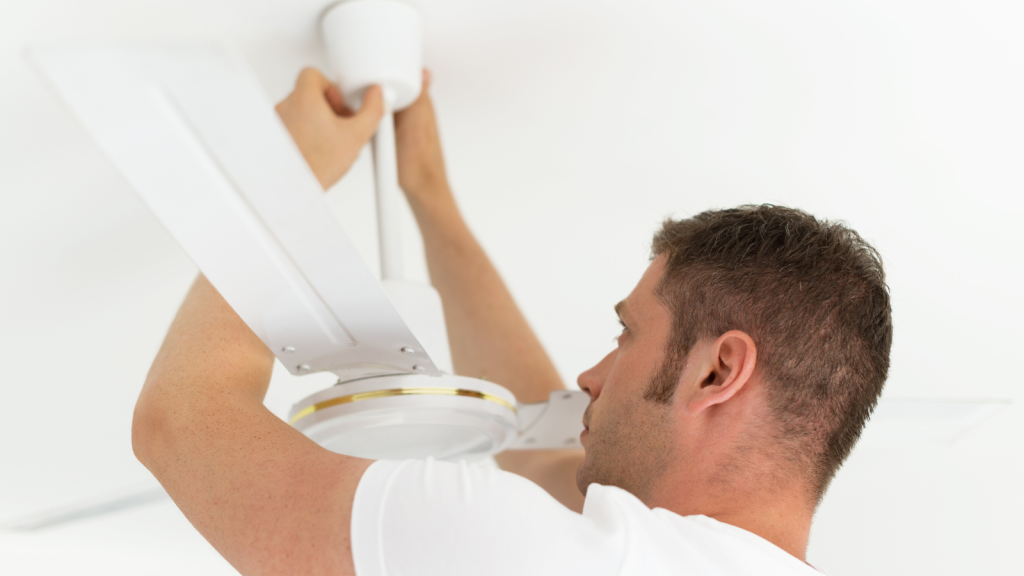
x=572 y=127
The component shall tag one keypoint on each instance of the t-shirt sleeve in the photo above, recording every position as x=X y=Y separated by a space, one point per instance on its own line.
x=423 y=517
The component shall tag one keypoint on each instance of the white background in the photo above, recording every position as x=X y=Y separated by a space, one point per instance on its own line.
x=572 y=127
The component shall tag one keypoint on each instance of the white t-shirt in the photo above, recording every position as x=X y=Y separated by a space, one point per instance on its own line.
x=425 y=517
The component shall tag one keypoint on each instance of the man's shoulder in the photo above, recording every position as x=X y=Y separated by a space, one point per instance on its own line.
x=412 y=514
x=660 y=541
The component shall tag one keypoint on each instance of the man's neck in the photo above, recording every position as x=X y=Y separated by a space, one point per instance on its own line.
x=780 y=515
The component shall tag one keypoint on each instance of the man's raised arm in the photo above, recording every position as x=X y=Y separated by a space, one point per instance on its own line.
x=489 y=335
x=270 y=500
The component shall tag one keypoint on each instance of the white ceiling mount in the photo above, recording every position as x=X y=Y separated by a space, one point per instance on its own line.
x=375 y=42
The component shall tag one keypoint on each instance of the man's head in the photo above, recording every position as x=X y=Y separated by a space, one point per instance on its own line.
x=759 y=335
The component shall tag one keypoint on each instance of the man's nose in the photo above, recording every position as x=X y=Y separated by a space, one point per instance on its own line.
x=592 y=380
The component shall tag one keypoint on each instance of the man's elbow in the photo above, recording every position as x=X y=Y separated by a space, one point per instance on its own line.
x=148 y=427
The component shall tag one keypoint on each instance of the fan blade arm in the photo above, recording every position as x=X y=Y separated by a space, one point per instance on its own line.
x=555 y=424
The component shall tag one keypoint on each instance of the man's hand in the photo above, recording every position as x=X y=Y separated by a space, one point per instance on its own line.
x=328 y=134
x=421 y=172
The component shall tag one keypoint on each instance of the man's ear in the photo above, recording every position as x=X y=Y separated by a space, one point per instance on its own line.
x=729 y=364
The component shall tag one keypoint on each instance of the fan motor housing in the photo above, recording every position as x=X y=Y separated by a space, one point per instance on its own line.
x=410 y=416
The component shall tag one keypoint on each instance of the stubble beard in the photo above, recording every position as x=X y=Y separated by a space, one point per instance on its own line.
x=631 y=446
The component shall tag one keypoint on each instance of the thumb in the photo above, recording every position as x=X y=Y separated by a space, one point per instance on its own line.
x=365 y=121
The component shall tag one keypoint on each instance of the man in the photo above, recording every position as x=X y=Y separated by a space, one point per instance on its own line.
x=752 y=352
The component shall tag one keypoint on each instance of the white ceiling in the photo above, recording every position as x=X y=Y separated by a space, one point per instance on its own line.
x=571 y=127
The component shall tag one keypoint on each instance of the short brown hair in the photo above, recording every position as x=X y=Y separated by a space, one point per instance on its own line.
x=812 y=296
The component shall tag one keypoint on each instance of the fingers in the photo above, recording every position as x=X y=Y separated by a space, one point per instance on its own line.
x=419 y=107
x=336 y=102
x=311 y=79
x=424 y=91
x=365 y=121
x=312 y=85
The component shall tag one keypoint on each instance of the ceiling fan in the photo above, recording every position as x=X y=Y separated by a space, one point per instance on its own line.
x=189 y=127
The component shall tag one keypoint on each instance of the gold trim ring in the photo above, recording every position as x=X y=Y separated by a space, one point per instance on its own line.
x=313 y=408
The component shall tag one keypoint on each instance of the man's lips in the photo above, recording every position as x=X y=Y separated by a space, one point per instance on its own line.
x=585 y=435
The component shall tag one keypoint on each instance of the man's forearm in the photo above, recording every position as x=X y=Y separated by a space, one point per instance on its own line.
x=489 y=336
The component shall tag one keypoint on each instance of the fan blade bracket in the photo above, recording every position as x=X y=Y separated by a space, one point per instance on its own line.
x=555 y=424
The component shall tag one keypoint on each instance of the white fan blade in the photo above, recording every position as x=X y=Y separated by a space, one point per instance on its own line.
x=193 y=133
x=85 y=510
